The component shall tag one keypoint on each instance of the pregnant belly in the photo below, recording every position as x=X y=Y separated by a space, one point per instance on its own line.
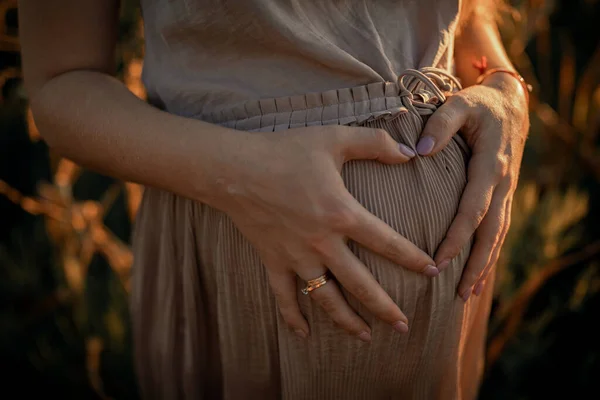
x=203 y=310
x=419 y=200
x=201 y=298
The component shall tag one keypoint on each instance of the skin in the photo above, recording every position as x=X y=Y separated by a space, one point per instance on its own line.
x=299 y=226
x=493 y=118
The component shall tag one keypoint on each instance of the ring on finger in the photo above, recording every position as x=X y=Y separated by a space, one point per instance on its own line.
x=316 y=283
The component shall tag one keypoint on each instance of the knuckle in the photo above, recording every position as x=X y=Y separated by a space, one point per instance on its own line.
x=459 y=101
x=443 y=120
x=377 y=139
x=288 y=316
x=328 y=304
x=362 y=292
x=379 y=136
x=319 y=243
x=477 y=216
x=340 y=217
x=472 y=219
x=454 y=246
x=501 y=167
x=339 y=134
x=391 y=247
x=472 y=275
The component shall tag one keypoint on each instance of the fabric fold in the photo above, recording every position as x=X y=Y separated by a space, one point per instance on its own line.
x=205 y=319
x=419 y=92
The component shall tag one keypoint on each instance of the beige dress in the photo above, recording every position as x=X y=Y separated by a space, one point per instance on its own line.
x=205 y=322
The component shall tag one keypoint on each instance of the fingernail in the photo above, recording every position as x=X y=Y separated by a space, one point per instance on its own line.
x=364 y=336
x=478 y=289
x=465 y=296
x=407 y=151
x=425 y=145
x=401 y=327
x=443 y=265
x=431 y=271
x=300 y=333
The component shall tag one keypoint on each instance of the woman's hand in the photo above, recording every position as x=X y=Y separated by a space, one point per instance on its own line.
x=493 y=119
x=290 y=202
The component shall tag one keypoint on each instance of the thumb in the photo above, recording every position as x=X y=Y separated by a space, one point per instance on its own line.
x=358 y=143
x=442 y=126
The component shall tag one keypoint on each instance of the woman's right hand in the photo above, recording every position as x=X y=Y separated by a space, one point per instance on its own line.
x=289 y=200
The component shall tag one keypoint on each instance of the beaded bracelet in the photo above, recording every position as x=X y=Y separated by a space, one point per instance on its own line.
x=484 y=71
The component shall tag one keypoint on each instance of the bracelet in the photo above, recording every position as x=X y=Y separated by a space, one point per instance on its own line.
x=485 y=72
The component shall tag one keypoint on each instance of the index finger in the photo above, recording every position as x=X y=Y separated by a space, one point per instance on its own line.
x=378 y=236
x=474 y=205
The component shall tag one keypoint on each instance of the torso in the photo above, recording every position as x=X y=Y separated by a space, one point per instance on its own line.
x=205 y=321
x=210 y=54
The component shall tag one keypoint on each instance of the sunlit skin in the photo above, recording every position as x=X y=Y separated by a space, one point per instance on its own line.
x=299 y=226
x=493 y=118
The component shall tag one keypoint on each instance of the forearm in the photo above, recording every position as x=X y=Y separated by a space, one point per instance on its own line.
x=94 y=120
x=478 y=37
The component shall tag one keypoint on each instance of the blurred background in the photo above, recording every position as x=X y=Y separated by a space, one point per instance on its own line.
x=64 y=231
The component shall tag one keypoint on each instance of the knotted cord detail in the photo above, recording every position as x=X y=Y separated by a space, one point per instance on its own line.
x=423 y=91
x=419 y=92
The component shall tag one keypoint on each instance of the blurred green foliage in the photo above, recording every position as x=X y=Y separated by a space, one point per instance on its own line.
x=64 y=327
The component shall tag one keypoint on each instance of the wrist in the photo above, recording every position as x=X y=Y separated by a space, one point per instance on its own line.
x=510 y=86
x=503 y=77
x=217 y=164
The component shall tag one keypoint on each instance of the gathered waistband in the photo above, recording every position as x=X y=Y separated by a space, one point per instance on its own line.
x=419 y=92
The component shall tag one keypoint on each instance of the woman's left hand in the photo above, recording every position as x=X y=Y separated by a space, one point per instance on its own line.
x=493 y=119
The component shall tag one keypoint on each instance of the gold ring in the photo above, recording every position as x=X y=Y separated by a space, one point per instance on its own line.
x=316 y=283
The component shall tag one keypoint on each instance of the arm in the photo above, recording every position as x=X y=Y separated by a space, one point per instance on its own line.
x=493 y=118
x=478 y=36
x=90 y=117
x=283 y=190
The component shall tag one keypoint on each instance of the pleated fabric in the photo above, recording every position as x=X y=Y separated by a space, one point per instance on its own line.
x=205 y=321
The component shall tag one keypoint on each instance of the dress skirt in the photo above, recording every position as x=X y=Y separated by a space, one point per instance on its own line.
x=205 y=321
